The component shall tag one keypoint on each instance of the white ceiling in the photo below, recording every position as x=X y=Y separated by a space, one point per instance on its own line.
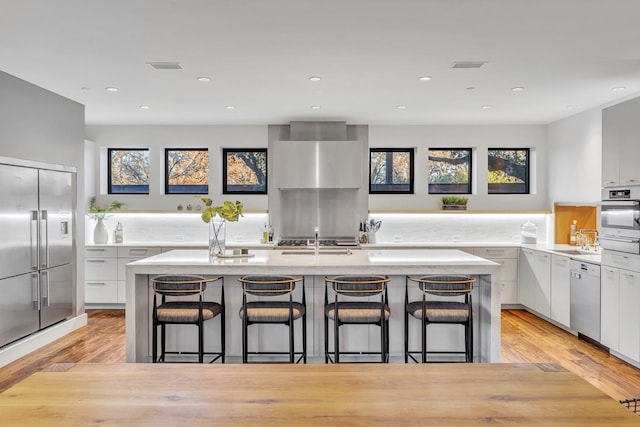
x=369 y=53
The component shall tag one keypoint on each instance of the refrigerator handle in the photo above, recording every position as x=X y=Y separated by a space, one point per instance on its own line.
x=44 y=289
x=44 y=240
x=35 y=298
x=34 y=238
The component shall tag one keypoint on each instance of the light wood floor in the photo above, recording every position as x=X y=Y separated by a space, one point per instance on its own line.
x=525 y=338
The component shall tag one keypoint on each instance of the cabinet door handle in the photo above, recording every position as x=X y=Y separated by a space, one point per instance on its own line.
x=96 y=260
x=96 y=283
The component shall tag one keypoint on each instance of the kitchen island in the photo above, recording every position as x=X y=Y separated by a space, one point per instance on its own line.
x=314 y=267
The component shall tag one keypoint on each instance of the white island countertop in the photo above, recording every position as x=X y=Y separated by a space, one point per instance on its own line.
x=384 y=261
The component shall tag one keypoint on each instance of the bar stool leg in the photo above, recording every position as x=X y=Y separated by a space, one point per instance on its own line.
x=304 y=337
x=291 y=339
x=424 y=332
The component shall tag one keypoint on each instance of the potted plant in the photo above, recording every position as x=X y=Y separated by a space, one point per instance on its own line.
x=99 y=214
x=457 y=203
x=216 y=217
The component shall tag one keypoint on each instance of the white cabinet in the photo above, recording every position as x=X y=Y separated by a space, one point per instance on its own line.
x=629 y=321
x=610 y=308
x=560 y=289
x=620 y=148
x=508 y=259
x=526 y=277
x=105 y=272
x=542 y=285
x=318 y=164
x=610 y=146
x=101 y=276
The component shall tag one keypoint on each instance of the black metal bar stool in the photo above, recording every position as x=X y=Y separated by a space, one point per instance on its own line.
x=273 y=311
x=178 y=307
x=345 y=309
x=440 y=311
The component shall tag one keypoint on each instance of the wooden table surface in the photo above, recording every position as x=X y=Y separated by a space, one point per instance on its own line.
x=307 y=395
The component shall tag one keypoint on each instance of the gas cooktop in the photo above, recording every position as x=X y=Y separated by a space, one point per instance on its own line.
x=324 y=243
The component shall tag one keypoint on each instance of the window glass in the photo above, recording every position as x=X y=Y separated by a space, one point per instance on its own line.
x=187 y=171
x=391 y=171
x=128 y=171
x=508 y=170
x=244 y=171
x=449 y=171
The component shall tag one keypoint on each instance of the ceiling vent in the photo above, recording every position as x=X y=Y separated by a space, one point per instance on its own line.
x=165 y=65
x=468 y=64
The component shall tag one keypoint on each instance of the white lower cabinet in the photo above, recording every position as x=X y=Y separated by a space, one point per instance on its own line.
x=526 y=277
x=610 y=308
x=536 y=284
x=560 y=289
x=508 y=259
x=629 y=320
x=105 y=272
x=101 y=277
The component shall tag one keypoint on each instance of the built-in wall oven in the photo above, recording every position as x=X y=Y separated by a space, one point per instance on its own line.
x=620 y=220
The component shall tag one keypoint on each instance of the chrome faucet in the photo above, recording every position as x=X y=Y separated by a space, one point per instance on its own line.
x=586 y=242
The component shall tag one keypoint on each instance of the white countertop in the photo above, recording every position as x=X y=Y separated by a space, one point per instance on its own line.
x=374 y=261
x=584 y=255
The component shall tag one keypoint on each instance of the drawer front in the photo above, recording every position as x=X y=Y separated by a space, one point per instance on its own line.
x=625 y=261
x=105 y=291
x=498 y=253
x=100 y=252
x=137 y=252
x=101 y=269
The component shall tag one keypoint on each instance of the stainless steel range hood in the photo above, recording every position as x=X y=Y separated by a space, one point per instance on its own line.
x=318 y=155
x=318 y=180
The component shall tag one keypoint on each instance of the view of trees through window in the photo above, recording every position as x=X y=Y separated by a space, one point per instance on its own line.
x=449 y=171
x=391 y=170
x=187 y=171
x=508 y=171
x=244 y=171
x=128 y=171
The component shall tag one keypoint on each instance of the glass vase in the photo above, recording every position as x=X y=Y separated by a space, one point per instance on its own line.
x=217 y=235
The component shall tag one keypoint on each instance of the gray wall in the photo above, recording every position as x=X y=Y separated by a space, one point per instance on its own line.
x=38 y=125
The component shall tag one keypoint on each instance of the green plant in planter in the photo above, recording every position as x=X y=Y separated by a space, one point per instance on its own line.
x=454 y=200
x=97 y=212
x=228 y=211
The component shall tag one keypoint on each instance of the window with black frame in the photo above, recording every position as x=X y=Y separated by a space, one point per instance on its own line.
x=391 y=171
x=508 y=170
x=186 y=171
x=244 y=171
x=128 y=170
x=450 y=171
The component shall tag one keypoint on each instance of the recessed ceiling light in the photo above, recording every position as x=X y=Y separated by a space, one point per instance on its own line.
x=230 y=107
x=517 y=89
x=471 y=88
x=401 y=107
x=204 y=79
x=487 y=107
x=618 y=89
x=315 y=107
x=315 y=78
x=424 y=78
x=144 y=107
x=111 y=89
x=571 y=107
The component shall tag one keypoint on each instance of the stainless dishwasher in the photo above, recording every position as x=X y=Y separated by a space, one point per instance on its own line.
x=585 y=299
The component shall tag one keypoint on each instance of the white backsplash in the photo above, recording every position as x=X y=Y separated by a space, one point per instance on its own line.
x=457 y=227
x=396 y=228
x=178 y=227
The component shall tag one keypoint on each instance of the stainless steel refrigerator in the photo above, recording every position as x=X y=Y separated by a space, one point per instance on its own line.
x=37 y=248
